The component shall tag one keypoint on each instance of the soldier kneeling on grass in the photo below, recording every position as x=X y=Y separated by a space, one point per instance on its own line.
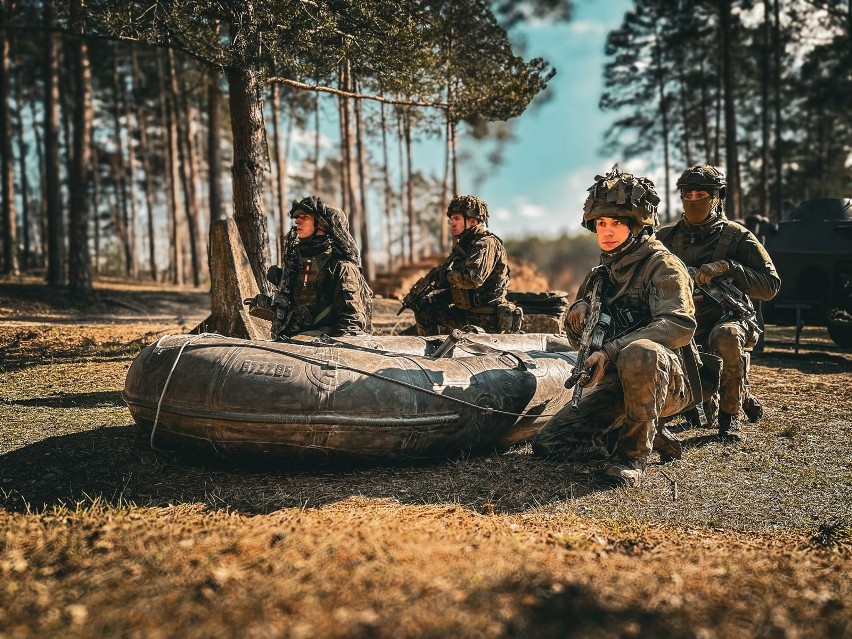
x=648 y=366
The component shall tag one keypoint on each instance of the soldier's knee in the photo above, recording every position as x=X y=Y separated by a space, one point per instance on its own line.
x=725 y=341
x=638 y=356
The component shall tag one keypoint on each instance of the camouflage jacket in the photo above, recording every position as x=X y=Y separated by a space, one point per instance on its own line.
x=477 y=270
x=649 y=296
x=752 y=270
x=328 y=293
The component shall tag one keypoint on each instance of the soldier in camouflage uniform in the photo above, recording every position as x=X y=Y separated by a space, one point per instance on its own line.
x=706 y=240
x=648 y=366
x=471 y=284
x=321 y=282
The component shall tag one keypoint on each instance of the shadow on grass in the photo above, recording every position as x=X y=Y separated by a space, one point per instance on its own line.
x=577 y=611
x=71 y=400
x=116 y=465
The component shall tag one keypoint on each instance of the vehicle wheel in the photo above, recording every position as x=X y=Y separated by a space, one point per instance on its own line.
x=841 y=334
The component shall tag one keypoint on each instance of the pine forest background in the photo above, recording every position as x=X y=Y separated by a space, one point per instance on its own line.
x=128 y=127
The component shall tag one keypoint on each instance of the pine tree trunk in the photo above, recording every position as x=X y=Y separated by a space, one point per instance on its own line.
x=185 y=163
x=389 y=261
x=279 y=165
x=23 y=169
x=734 y=196
x=664 y=115
x=214 y=151
x=249 y=154
x=765 y=142
x=96 y=205
x=777 y=192
x=122 y=215
x=317 y=184
x=7 y=171
x=79 y=267
x=145 y=157
x=412 y=220
x=175 y=270
x=55 y=232
x=131 y=182
x=366 y=254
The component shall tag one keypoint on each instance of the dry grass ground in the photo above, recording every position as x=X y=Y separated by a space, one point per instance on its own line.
x=102 y=537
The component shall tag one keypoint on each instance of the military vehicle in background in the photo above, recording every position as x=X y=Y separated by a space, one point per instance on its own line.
x=812 y=250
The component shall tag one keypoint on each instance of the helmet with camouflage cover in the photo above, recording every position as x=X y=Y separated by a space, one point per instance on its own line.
x=333 y=222
x=469 y=206
x=618 y=194
x=703 y=177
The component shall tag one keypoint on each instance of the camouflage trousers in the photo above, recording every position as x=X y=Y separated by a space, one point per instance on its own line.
x=618 y=417
x=730 y=341
x=430 y=319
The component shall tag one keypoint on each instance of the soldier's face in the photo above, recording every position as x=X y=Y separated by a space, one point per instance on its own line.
x=696 y=205
x=305 y=225
x=611 y=232
x=458 y=223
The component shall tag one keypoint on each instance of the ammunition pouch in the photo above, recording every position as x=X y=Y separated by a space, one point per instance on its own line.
x=461 y=298
x=510 y=318
x=261 y=306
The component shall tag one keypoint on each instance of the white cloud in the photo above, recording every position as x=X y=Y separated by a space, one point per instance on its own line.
x=587 y=27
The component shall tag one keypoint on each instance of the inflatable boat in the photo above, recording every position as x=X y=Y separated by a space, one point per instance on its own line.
x=357 y=398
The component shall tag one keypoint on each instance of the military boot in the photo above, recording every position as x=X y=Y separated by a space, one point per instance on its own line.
x=626 y=472
x=667 y=445
x=752 y=407
x=729 y=427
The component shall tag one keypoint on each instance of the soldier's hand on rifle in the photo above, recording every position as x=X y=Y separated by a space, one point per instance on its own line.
x=596 y=364
x=709 y=271
x=577 y=316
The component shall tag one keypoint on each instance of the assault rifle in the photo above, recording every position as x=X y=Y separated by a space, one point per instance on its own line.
x=276 y=309
x=421 y=289
x=282 y=299
x=594 y=332
x=428 y=282
x=736 y=304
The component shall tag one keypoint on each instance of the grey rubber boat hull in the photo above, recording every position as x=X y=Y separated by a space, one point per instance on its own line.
x=331 y=399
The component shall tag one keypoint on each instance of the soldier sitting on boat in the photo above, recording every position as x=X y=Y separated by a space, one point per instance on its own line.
x=469 y=287
x=320 y=287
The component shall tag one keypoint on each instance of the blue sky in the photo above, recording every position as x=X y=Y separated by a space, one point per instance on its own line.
x=541 y=186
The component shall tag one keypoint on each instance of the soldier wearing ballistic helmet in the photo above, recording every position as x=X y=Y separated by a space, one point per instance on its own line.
x=470 y=285
x=648 y=365
x=320 y=287
x=706 y=240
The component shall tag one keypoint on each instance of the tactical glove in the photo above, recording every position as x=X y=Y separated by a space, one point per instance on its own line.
x=596 y=364
x=709 y=271
x=577 y=317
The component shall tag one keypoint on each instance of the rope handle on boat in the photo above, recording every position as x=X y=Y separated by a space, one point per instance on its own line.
x=169 y=378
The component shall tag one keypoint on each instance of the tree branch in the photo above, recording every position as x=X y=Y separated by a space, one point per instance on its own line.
x=348 y=94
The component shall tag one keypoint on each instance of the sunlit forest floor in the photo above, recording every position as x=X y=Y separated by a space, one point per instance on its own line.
x=100 y=536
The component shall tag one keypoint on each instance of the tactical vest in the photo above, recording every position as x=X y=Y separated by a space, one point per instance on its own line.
x=725 y=248
x=632 y=311
x=493 y=289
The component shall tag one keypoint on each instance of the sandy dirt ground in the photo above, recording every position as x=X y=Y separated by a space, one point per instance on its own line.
x=100 y=536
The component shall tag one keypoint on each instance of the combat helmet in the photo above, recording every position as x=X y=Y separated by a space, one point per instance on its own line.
x=469 y=206
x=703 y=177
x=618 y=194
x=333 y=222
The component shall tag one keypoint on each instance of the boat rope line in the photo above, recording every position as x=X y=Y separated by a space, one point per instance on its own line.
x=169 y=378
x=319 y=362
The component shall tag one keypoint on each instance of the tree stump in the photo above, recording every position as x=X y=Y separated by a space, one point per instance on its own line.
x=231 y=282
